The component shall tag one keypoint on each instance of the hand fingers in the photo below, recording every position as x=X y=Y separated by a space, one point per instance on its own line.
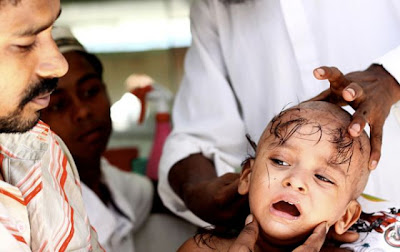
x=323 y=96
x=228 y=178
x=376 y=144
x=357 y=125
x=246 y=240
x=352 y=92
x=228 y=193
x=335 y=77
x=347 y=237
x=358 y=122
x=315 y=241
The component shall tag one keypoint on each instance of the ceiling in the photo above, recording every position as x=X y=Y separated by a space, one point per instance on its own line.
x=128 y=25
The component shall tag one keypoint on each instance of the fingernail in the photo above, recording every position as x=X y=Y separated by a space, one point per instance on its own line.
x=373 y=165
x=320 y=71
x=351 y=91
x=249 y=219
x=327 y=228
x=356 y=127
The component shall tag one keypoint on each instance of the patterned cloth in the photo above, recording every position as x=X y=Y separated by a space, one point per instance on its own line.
x=377 y=226
x=41 y=206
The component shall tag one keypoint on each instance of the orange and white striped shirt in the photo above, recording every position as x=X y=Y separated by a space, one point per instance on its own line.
x=41 y=206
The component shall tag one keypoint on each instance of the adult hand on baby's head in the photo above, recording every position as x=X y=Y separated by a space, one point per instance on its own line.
x=371 y=93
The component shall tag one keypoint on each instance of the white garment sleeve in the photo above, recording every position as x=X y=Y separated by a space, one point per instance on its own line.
x=206 y=117
x=391 y=62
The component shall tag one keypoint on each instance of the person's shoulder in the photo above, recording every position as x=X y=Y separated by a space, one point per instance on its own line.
x=206 y=242
x=124 y=180
x=110 y=170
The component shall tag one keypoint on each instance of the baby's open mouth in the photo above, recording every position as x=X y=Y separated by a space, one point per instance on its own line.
x=287 y=207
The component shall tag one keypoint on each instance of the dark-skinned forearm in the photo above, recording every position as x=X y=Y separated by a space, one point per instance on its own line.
x=379 y=70
x=190 y=171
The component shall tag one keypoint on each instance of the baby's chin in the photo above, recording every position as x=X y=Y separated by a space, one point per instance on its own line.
x=285 y=236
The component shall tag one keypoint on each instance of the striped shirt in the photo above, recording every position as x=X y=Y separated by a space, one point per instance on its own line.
x=41 y=206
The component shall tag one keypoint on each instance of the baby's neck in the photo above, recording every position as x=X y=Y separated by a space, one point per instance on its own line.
x=268 y=244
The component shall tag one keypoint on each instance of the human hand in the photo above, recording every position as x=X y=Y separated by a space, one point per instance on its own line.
x=315 y=241
x=217 y=200
x=371 y=93
x=214 y=199
x=246 y=241
x=347 y=237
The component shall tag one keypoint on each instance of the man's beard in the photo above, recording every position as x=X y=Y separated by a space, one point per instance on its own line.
x=15 y=122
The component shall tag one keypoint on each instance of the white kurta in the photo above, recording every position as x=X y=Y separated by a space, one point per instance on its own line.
x=266 y=50
x=133 y=194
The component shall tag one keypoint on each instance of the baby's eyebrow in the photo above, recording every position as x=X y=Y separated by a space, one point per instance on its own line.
x=336 y=167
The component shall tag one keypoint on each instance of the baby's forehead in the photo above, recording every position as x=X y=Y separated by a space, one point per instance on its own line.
x=321 y=124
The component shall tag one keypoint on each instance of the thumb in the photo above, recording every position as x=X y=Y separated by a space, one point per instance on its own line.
x=246 y=240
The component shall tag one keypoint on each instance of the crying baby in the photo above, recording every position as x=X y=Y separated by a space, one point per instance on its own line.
x=307 y=170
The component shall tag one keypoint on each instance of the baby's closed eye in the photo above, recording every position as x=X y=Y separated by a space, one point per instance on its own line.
x=324 y=179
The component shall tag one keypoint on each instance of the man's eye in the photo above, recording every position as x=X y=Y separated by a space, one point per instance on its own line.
x=26 y=48
x=279 y=162
x=322 y=178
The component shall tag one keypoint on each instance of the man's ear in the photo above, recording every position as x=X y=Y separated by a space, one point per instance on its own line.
x=244 y=180
x=350 y=216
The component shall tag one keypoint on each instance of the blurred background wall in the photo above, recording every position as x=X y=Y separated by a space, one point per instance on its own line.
x=133 y=36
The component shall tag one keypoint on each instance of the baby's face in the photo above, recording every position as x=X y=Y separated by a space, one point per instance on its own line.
x=300 y=182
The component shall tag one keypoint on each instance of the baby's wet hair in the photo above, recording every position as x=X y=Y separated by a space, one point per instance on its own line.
x=283 y=129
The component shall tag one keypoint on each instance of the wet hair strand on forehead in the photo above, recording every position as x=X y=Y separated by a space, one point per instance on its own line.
x=283 y=129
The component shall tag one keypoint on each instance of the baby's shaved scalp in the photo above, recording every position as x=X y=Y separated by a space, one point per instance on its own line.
x=331 y=120
x=342 y=115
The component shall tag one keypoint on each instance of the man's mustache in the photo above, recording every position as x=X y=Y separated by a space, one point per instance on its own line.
x=42 y=87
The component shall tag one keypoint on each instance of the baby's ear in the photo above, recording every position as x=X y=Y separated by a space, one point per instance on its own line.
x=350 y=216
x=244 y=180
